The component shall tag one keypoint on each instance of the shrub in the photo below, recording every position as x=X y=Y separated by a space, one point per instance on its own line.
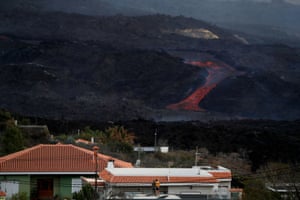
x=86 y=193
x=19 y=196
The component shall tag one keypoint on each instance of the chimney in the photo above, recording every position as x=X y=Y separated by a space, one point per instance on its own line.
x=92 y=140
x=110 y=164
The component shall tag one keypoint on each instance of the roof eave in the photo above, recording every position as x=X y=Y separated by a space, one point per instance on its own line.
x=49 y=173
x=162 y=184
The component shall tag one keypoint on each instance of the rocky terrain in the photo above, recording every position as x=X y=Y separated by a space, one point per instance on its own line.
x=71 y=66
x=265 y=21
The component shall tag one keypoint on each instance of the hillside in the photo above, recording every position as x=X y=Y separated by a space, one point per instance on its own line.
x=264 y=21
x=72 y=66
x=75 y=81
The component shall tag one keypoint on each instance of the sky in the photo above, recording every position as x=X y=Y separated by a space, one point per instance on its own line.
x=296 y=2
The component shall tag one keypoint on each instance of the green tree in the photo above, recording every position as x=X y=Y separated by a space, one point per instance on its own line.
x=12 y=140
x=19 y=196
x=255 y=189
x=88 y=133
x=86 y=193
x=5 y=119
x=118 y=138
x=119 y=133
x=4 y=115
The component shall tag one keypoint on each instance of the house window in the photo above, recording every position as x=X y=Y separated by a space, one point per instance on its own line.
x=10 y=187
x=76 y=185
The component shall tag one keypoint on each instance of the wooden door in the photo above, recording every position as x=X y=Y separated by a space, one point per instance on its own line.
x=45 y=189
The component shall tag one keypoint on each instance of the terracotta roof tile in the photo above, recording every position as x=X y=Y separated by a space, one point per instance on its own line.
x=221 y=175
x=107 y=176
x=56 y=158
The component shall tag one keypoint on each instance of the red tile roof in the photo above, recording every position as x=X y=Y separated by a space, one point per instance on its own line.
x=221 y=174
x=56 y=158
x=108 y=177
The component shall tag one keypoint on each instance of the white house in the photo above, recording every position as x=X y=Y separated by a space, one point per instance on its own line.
x=202 y=182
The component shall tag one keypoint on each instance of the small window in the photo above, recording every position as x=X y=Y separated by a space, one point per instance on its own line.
x=10 y=187
x=76 y=184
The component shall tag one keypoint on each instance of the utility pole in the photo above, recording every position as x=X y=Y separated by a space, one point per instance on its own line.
x=138 y=161
x=95 y=149
x=196 y=156
x=139 y=152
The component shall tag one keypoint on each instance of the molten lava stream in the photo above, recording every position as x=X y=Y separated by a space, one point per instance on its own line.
x=192 y=101
x=215 y=75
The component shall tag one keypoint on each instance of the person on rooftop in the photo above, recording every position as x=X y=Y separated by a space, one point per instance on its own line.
x=157 y=185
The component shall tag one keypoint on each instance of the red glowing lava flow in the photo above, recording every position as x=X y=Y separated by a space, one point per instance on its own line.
x=216 y=74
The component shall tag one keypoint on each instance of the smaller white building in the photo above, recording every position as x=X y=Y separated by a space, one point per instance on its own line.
x=162 y=149
x=202 y=182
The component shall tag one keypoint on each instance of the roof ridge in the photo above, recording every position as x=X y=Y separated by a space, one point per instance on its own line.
x=19 y=153
x=80 y=148
x=100 y=155
x=28 y=150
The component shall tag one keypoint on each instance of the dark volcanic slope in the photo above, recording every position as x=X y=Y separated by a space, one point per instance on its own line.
x=260 y=95
x=267 y=21
x=59 y=65
x=157 y=31
x=268 y=87
x=78 y=80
